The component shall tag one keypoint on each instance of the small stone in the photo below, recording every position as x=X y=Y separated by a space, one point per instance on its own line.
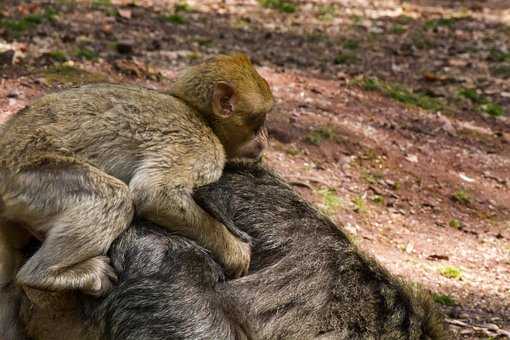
x=412 y=158
x=13 y=94
x=492 y=327
x=7 y=57
x=466 y=178
x=125 y=13
x=124 y=47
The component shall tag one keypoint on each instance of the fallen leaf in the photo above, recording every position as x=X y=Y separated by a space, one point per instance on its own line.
x=412 y=158
x=466 y=178
x=435 y=257
x=457 y=62
x=125 y=13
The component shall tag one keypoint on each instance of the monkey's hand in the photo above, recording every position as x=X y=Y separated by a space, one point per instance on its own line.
x=235 y=255
x=173 y=207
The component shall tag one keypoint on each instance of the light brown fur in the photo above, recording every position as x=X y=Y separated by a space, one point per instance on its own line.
x=75 y=165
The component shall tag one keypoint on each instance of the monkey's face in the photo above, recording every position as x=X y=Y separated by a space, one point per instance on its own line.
x=243 y=136
x=254 y=148
x=240 y=109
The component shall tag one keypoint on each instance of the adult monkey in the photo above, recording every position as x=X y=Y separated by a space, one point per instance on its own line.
x=306 y=280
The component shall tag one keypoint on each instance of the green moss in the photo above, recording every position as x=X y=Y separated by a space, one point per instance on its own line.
x=493 y=109
x=327 y=12
x=204 y=41
x=421 y=41
x=57 y=56
x=175 y=19
x=484 y=104
x=182 y=6
x=369 y=154
x=378 y=199
x=472 y=95
x=440 y=22
x=279 y=5
x=406 y=96
x=401 y=94
x=351 y=44
x=372 y=177
x=371 y=84
x=330 y=201
x=461 y=196
x=346 y=58
x=398 y=29
x=360 y=205
x=317 y=136
x=451 y=272
x=501 y=71
x=240 y=23
x=86 y=53
x=18 y=26
x=356 y=19
x=66 y=74
x=498 y=56
x=101 y=3
x=404 y=19
x=394 y=185
x=444 y=299
x=454 y=223
x=293 y=151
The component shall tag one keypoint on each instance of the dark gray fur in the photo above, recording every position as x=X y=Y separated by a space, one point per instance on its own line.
x=306 y=280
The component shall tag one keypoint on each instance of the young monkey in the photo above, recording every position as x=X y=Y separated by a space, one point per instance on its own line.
x=77 y=165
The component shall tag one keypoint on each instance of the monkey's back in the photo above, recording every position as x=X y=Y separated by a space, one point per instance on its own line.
x=109 y=126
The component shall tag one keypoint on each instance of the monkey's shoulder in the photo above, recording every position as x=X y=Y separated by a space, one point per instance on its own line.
x=98 y=96
x=109 y=105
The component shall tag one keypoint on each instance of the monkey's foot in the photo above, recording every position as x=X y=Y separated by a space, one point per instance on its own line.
x=94 y=276
x=236 y=258
x=102 y=276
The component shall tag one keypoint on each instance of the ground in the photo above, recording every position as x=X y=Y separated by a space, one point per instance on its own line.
x=392 y=116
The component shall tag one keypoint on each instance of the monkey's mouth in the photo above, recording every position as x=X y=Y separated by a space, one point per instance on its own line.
x=257 y=123
x=253 y=150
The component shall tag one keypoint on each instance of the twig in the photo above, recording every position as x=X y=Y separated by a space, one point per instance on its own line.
x=489 y=331
x=301 y=180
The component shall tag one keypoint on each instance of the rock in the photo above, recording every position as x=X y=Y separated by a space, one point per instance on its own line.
x=124 y=47
x=492 y=327
x=125 y=13
x=412 y=158
x=281 y=135
x=446 y=124
x=435 y=257
x=13 y=94
x=7 y=57
x=466 y=178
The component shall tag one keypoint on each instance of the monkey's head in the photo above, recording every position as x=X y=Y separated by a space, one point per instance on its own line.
x=232 y=97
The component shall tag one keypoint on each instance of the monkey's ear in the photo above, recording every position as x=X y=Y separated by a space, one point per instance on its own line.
x=223 y=100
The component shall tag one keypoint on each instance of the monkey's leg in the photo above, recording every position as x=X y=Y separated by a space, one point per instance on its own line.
x=79 y=210
x=11 y=257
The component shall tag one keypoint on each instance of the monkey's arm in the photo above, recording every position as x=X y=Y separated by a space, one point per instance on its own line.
x=167 y=202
